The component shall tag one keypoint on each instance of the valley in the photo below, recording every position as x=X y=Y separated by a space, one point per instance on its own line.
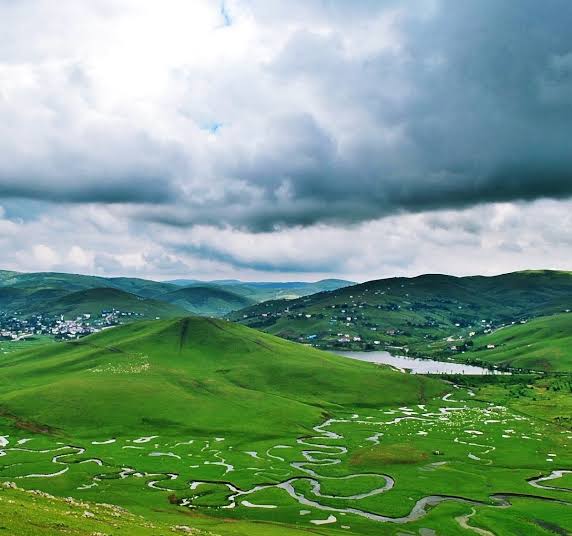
x=285 y=268
x=76 y=305
x=416 y=468
x=461 y=319
x=206 y=426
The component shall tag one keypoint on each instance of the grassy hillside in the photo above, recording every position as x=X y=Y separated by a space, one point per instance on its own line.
x=211 y=425
x=430 y=315
x=94 y=300
x=20 y=299
x=32 y=513
x=206 y=300
x=263 y=291
x=75 y=282
x=72 y=294
x=543 y=343
x=191 y=375
x=54 y=302
x=36 y=513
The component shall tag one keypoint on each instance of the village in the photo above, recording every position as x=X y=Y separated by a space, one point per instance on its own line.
x=14 y=327
x=361 y=324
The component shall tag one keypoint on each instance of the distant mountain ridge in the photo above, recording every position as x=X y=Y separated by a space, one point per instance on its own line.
x=268 y=290
x=43 y=292
x=206 y=300
x=428 y=315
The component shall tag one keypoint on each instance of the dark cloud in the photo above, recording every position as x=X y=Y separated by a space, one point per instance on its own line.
x=479 y=101
x=366 y=109
x=273 y=264
x=103 y=164
x=96 y=188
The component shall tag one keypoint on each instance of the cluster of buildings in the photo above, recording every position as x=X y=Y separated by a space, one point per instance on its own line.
x=14 y=327
x=351 y=324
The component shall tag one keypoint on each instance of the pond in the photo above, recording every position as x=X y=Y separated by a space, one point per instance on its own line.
x=418 y=366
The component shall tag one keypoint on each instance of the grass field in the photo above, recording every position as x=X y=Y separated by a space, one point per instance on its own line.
x=543 y=343
x=433 y=316
x=416 y=468
x=29 y=343
x=214 y=426
x=190 y=375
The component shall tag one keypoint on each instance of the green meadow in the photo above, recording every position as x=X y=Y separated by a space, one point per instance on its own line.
x=543 y=343
x=198 y=424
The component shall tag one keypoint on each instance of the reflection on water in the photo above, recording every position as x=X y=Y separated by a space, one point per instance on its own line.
x=418 y=366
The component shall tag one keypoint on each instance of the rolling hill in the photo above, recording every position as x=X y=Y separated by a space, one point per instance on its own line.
x=53 y=302
x=19 y=299
x=31 y=293
x=206 y=300
x=54 y=294
x=263 y=291
x=429 y=315
x=92 y=301
x=203 y=426
x=74 y=282
x=191 y=375
x=543 y=343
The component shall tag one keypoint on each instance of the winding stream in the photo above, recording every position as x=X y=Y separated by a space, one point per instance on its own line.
x=316 y=454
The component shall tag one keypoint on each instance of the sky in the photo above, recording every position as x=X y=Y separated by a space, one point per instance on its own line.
x=272 y=140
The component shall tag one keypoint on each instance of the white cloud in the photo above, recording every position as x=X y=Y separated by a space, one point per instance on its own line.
x=44 y=256
x=354 y=136
x=80 y=259
x=490 y=239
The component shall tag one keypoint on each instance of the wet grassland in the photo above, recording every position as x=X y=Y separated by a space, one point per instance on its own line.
x=464 y=462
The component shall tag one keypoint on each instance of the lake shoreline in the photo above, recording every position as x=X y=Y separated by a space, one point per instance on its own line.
x=419 y=365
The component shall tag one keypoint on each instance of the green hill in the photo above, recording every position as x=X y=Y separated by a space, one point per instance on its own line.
x=206 y=427
x=74 y=282
x=30 y=293
x=72 y=294
x=95 y=300
x=206 y=300
x=70 y=282
x=258 y=291
x=543 y=343
x=188 y=376
x=28 y=299
x=426 y=315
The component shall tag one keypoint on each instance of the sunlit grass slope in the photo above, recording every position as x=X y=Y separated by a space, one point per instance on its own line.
x=32 y=513
x=191 y=375
x=544 y=343
x=95 y=300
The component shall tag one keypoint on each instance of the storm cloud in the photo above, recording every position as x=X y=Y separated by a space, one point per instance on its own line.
x=329 y=112
x=189 y=124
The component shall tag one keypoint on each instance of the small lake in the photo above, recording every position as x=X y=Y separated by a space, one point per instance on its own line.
x=418 y=366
